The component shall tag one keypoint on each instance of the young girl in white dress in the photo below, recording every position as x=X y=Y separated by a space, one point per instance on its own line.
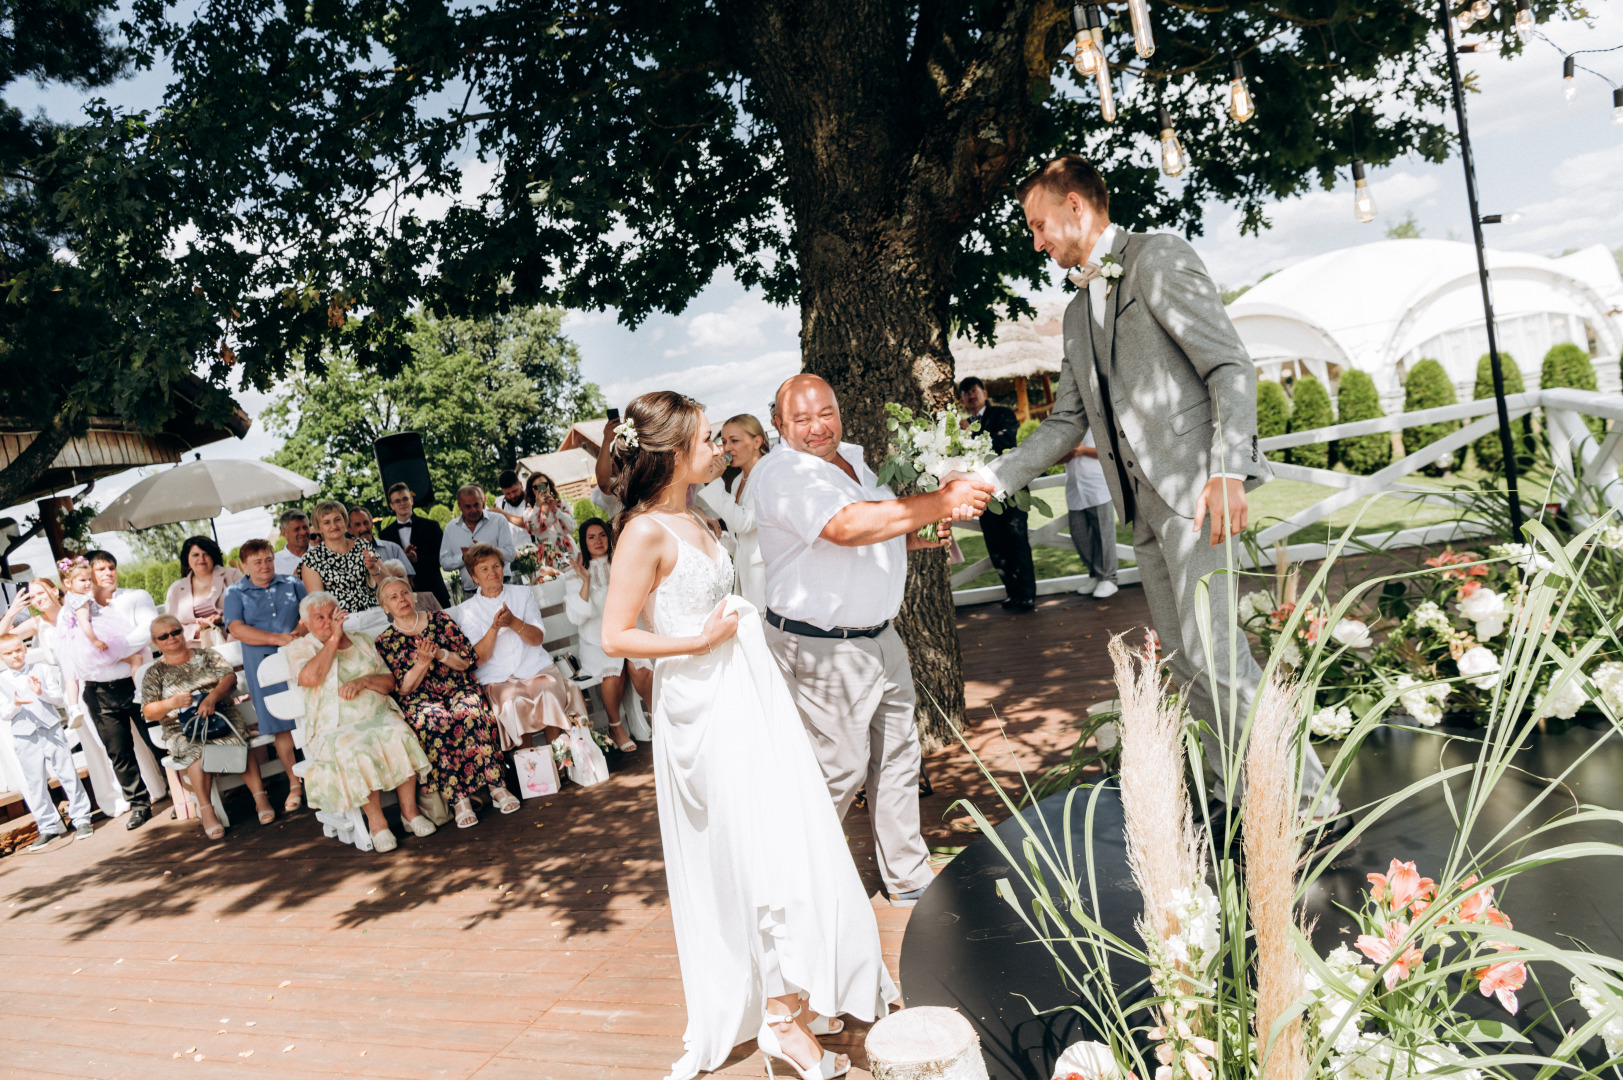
x=774 y=932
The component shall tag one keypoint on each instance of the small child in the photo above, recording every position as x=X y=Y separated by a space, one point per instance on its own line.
x=30 y=695
x=86 y=653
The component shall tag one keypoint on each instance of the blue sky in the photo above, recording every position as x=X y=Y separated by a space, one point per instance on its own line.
x=1556 y=163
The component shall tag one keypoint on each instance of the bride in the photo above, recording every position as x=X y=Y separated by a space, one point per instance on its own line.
x=774 y=932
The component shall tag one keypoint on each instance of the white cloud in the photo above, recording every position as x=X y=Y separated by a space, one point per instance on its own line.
x=740 y=386
x=742 y=324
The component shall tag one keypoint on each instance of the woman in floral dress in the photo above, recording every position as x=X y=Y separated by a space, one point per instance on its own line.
x=552 y=528
x=433 y=664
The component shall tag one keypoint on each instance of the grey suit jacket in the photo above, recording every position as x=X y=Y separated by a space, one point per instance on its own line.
x=1182 y=386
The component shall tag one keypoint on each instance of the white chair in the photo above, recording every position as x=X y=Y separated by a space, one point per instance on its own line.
x=231 y=651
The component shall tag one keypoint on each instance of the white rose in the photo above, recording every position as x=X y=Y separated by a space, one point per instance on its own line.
x=1487 y=609
x=1353 y=634
x=1565 y=702
x=1331 y=722
x=1480 y=667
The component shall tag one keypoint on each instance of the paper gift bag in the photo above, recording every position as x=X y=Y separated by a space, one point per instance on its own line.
x=588 y=764
x=537 y=774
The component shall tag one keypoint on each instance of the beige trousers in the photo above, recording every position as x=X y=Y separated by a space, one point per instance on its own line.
x=856 y=699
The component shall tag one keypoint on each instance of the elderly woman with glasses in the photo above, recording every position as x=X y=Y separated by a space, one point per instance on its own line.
x=525 y=687
x=181 y=690
x=356 y=740
x=433 y=664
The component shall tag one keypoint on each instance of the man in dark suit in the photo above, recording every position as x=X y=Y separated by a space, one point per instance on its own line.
x=420 y=537
x=1006 y=541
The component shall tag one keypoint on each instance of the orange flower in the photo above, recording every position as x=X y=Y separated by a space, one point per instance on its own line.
x=1401 y=885
x=1503 y=979
x=1381 y=950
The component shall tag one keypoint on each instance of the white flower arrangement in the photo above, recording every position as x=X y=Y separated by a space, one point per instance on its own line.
x=1331 y=722
x=1424 y=702
x=1428 y=616
x=1608 y=680
x=1111 y=269
x=1596 y=1005
x=562 y=751
x=1486 y=609
x=626 y=433
x=1255 y=605
x=1353 y=633
x=926 y=450
x=1610 y=537
x=1480 y=667
x=1525 y=557
x=1565 y=701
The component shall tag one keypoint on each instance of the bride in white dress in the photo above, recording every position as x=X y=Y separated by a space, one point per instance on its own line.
x=774 y=932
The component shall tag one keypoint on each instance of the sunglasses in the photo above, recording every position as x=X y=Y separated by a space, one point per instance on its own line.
x=167 y=636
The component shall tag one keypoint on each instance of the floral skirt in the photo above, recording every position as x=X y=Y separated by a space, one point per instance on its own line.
x=526 y=705
x=458 y=733
x=353 y=761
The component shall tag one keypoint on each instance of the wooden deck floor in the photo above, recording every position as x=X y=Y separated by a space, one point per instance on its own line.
x=535 y=946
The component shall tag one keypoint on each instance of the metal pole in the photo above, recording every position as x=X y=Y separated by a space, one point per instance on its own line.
x=1506 y=441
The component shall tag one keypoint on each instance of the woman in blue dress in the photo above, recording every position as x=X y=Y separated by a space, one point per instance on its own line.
x=262 y=612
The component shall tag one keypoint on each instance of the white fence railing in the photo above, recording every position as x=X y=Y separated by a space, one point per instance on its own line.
x=1585 y=467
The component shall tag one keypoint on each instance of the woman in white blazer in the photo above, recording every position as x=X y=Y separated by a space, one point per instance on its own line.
x=729 y=501
x=586 y=586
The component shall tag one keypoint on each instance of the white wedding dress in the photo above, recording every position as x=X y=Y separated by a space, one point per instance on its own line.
x=764 y=896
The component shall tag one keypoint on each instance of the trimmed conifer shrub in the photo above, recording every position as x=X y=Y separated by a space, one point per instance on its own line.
x=1311 y=408
x=1568 y=365
x=1490 y=455
x=1428 y=388
x=1359 y=400
x=1273 y=414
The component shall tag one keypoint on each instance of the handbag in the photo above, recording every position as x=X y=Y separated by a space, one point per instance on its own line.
x=432 y=805
x=218 y=756
x=588 y=766
x=201 y=729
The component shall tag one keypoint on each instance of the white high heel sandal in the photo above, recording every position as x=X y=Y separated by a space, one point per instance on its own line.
x=823 y=1025
x=831 y=1065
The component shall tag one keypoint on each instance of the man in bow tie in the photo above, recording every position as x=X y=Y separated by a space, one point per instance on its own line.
x=1156 y=370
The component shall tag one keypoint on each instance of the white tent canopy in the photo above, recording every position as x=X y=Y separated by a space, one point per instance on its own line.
x=1382 y=307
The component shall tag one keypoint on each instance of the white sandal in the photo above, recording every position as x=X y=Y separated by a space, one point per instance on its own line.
x=823 y=1025
x=830 y=1066
x=465 y=817
x=505 y=800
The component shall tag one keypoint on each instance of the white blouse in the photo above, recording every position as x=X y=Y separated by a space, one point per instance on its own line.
x=511 y=658
x=738 y=514
x=588 y=614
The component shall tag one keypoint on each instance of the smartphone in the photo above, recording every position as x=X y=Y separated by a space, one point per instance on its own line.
x=614 y=414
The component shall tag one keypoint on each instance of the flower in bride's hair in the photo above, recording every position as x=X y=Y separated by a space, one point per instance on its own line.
x=626 y=433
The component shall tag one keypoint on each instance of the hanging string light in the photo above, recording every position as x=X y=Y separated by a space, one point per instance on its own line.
x=1363 y=201
x=1087 y=58
x=1617 y=104
x=1480 y=10
x=1107 y=97
x=1241 y=105
x=1569 y=68
x=1138 y=12
x=1464 y=20
x=1524 y=19
x=1173 y=160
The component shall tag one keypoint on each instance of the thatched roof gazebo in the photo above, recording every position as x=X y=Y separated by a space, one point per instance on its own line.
x=1018 y=371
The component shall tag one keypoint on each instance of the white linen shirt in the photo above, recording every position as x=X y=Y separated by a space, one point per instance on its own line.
x=492 y=529
x=135 y=609
x=21 y=707
x=511 y=658
x=287 y=563
x=809 y=579
x=1099 y=287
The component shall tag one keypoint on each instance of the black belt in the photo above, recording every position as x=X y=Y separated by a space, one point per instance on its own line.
x=791 y=626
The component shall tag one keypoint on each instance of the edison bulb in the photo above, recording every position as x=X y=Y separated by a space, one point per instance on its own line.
x=1138 y=12
x=1481 y=9
x=1241 y=107
x=1569 y=84
x=1464 y=20
x=1088 y=57
x=1363 y=201
x=1524 y=20
x=1173 y=159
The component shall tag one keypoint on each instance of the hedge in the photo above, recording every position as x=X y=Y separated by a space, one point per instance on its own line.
x=441 y=513
x=1490 y=455
x=1311 y=408
x=1567 y=365
x=1359 y=400
x=1273 y=414
x=1428 y=388
x=585 y=510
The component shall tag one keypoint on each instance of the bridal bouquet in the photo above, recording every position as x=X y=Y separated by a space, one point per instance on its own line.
x=926 y=451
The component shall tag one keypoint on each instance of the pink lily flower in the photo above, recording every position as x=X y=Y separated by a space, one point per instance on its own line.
x=1503 y=979
x=1381 y=950
x=1401 y=885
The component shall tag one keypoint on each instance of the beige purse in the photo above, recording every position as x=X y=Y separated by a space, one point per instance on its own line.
x=432 y=805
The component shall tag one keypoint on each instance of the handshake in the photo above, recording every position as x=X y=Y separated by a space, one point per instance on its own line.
x=961 y=497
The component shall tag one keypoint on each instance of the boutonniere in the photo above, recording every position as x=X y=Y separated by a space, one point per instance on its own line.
x=1111 y=269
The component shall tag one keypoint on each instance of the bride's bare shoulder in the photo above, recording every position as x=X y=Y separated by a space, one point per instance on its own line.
x=643 y=533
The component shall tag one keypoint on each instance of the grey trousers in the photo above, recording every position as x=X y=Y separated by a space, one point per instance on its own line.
x=1172 y=558
x=856 y=699
x=1093 y=534
x=42 y=753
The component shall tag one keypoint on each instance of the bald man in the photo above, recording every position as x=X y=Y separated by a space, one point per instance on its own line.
x=835 y=543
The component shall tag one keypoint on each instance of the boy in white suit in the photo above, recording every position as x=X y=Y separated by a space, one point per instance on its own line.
x=30 y=695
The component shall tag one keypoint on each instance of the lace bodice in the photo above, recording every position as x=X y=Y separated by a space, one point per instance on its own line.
x=697 y=583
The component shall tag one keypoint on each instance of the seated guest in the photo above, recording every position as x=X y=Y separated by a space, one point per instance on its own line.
x=433 y=663
x=361 y=528
x=295 y=529
x=262 y=612
x=198 y=599
x=584 y=592
x=342 y=565
x=527 y=690
x=355 y=738
x=188 y=678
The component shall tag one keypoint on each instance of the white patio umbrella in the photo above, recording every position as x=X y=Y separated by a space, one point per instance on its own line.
x=202 y=489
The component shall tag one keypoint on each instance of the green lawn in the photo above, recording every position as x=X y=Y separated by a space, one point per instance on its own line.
x=1274 y=501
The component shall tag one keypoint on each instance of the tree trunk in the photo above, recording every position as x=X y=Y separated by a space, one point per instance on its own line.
x=18 y=480
x=893 y=143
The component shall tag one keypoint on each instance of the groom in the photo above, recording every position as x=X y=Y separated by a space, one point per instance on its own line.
x=1154 y=367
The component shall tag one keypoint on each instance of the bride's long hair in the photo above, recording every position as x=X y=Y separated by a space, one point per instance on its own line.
x=665 y=423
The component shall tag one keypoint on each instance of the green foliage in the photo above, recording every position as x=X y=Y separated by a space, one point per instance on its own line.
x=1311 y=409
x=160 y=577
x=1359 y=400
x=1490 y=452
x=442 y=513
x=1428 y=388
x=1273 y=414
x=162 y=542
x=482 y=394
x=1407 y=229
x=585 y=509
x=1026 y=428
x=1568 y=365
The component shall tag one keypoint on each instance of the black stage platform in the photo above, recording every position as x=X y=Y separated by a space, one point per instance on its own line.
x=966 y=948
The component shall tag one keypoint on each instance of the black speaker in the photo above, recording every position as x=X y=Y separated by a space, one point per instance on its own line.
x=401 y=459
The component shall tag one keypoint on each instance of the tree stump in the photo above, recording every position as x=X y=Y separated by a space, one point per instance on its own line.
x=926 y=1043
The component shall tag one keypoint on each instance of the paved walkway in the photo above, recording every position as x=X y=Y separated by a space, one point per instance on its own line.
x=534 y=946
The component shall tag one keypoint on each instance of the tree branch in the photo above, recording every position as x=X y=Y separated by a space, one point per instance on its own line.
x=19 y=478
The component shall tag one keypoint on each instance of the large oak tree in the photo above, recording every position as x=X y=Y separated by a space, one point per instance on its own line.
x=851 y=156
